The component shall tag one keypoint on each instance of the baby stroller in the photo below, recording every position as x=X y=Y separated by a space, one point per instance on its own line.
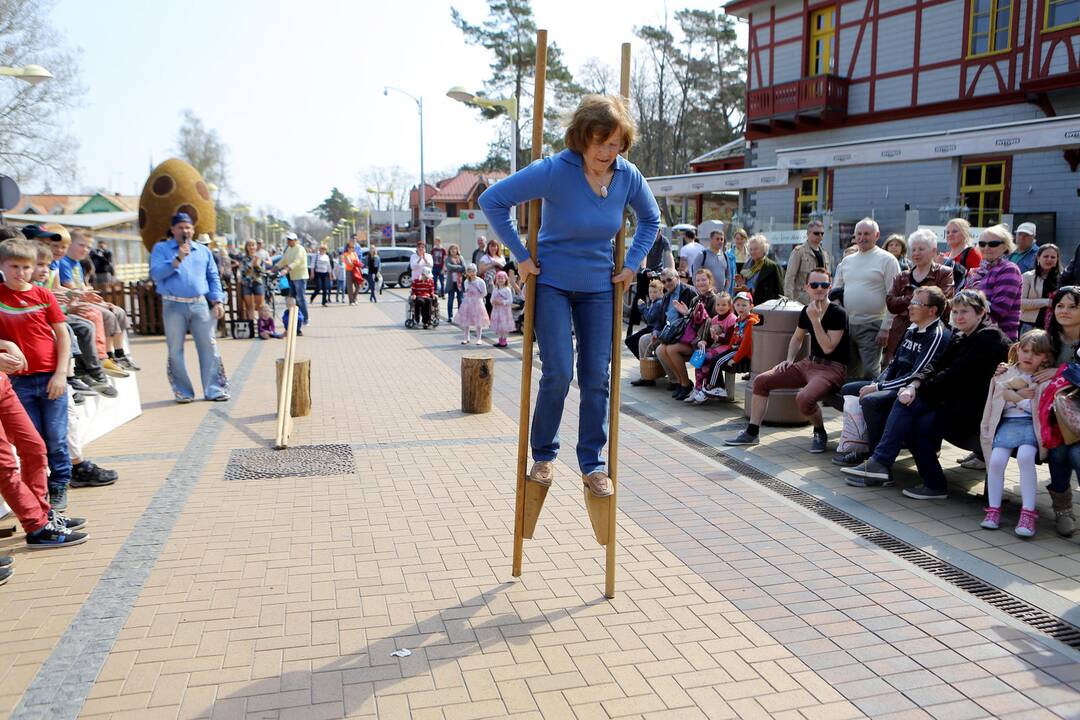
x=410 y=321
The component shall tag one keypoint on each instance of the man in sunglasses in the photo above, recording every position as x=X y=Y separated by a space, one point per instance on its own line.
x=817 y=376
x=804 y=258
x=866 y=277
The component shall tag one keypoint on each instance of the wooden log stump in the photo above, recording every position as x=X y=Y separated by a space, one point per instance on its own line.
x=301 y=386
x=477 y=378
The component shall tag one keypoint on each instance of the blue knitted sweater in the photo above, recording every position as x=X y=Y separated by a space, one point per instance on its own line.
x=574 y=247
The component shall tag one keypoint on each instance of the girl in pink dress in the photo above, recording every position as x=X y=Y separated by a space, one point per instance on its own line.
x=472 y=313
x=502 y=303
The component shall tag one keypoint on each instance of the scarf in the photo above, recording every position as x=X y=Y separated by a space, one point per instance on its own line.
x=750 y=273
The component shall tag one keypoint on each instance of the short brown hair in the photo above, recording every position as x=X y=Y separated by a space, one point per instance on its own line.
x=15 y=249
x=933 y=297
x=597 y=118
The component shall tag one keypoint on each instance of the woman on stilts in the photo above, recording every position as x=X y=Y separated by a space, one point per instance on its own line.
x=584 y=190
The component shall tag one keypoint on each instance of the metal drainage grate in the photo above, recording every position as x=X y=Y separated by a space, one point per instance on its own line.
x=301 y=461
x=1019 y=609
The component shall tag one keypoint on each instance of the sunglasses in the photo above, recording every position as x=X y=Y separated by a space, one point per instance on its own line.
x=818 y=285
x=916 y=303
x=991 y=243
x=817 y=232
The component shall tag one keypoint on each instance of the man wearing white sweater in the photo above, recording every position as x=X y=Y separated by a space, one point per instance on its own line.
x=866 y=277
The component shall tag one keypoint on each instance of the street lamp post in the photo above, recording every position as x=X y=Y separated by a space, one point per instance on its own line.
x=32 y=74
x=509 y=104
x=420 y=107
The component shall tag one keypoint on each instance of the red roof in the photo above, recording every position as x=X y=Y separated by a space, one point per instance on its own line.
x=461 y=187
x=429 y=192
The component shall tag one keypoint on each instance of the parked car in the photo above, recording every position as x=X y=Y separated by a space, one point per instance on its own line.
x=394 y=265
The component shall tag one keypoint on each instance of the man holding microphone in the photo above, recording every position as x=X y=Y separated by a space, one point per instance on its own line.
x=185 y=274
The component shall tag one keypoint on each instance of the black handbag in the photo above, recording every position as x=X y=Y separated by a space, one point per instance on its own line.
x=674 y=330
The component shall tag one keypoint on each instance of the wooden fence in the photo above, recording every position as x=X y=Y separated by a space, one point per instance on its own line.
x=143 y=304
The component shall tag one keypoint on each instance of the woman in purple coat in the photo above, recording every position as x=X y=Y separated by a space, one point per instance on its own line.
x=999 y=279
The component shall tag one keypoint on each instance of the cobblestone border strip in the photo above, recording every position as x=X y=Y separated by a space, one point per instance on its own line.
x=64 y=680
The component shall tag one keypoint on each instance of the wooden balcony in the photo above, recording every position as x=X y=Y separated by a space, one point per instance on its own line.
x=822 y=97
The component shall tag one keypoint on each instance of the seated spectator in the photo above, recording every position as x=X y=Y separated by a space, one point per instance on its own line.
x=698 y=312
x=946 y=405
x=916 y=359
x=1038 y=286
x=924 y=272
x=761 y=276
x=267 y=329
x=652 y=313
x=816 y=376
x=733 y=356
x=423 y=292
x=42 y=336
x=23 y=482
x=88 y=377
x=1011 y=423
x=674 y=289
x=999 y=279
x=1064 y=458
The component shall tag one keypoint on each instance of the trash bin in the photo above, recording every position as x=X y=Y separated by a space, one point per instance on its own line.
x=779 y=318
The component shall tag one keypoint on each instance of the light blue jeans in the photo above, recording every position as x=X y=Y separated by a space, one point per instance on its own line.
x=194 y=317
x=590 y=315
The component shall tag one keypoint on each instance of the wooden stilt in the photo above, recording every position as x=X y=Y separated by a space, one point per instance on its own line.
x=284 y=416
x=533 y=500
x=616 y=367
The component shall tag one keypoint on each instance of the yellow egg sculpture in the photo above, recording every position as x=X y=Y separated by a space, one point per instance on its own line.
x=174 y=186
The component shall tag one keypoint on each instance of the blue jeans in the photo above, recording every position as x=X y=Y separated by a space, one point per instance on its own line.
x=296 y=290
x=591 y=316
x=875 y=407
x=917 y=426
x=1064 y=460
x=50 y=418
x=372 y=281
x=194 y=317
x=453 y=291
x=440 y=279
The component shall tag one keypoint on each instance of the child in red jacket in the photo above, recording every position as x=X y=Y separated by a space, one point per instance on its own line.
x=724 y=358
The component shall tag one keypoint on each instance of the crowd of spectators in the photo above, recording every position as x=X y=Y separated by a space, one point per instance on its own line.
x=974 y=344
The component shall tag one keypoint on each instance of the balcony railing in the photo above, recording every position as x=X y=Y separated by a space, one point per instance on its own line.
x=819 y=96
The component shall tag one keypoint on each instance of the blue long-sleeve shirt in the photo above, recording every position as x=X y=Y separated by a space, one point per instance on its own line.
x=574 y=246
x=196 y=276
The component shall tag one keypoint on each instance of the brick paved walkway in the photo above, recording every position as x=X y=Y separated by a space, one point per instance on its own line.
x=284 y=597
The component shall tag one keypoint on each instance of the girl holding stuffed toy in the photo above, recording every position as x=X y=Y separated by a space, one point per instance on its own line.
x=1011 y=423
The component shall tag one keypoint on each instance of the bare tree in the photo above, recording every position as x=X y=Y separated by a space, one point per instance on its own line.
x=34 y=142
x=598 y=78
x=383 y=180
x=204 y=149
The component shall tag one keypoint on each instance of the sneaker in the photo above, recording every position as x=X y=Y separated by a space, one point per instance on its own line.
x=719 y=392
x=5 y=574
x=743 y=438
x=690 y=396
x=672 y=387
x=6 y=561
x=54 y=536
x=58 y=499
x=71 y=523
x=543 y=472
x=924 y=493
x=642 y=382
x=100 y=384
x=819 y=443
x=79 y=385
x=849 y=459
x=184 y=400
x=599 y=483
x=220 y=398
x=992 y=521
x=700 y=398
x=870 y=469
x=127 y=363
x=87 y=474
x=1026 y=526
x=683 y=392
x=967 y=458
x=78 y=398
x=973 y=464
x=111 y=367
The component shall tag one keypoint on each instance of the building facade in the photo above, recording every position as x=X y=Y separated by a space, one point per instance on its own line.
x=911 y=112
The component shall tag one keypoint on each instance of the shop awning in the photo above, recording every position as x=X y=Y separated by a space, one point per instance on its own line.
x=719 y=181
x=1009 y=138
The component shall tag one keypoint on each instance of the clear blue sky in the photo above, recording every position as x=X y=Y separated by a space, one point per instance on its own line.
x=294 y=87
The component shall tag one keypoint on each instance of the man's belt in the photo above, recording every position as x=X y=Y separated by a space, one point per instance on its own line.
x=190 y=300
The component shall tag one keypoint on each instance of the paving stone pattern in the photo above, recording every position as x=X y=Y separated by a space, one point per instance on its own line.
x=284 y=597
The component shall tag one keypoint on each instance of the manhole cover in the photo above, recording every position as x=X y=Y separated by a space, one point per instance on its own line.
x=301 y=461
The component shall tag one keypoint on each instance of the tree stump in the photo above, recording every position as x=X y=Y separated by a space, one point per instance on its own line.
x=301 y=387
x=477 y=377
